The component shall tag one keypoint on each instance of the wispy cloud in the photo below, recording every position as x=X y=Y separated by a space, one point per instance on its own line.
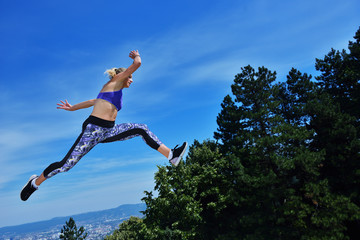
x=75 y=196
x=187 y=68
x=213 y=49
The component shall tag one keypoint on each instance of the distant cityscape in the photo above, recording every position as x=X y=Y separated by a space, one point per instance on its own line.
x=97 y=224
x=94 y=232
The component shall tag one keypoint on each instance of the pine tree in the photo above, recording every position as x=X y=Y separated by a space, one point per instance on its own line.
x=337 y=124
x=280 y=193
x=71 y=232
x=285 y=164
x=188 y=197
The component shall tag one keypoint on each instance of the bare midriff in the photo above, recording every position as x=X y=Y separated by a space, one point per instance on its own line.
x=104 y=110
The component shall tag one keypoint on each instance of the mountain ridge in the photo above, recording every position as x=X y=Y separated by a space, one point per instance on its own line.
x=108 y=217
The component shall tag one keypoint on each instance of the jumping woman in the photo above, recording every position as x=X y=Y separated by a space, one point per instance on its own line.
x=100 y=127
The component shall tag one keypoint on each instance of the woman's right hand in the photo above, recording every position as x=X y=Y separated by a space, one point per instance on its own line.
x=65 y=105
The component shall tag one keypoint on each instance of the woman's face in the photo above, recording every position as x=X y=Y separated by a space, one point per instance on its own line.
x=128 y=82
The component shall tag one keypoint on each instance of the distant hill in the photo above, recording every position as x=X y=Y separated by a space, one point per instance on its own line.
x=97 y=224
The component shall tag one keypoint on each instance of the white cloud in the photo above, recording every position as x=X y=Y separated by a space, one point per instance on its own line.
x=277 y=35
x=87 y=189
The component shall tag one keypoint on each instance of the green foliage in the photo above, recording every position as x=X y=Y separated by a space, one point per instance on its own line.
x=128 y=230
x=185 y=194
x=337 y=123
x=285 y=164
x=71 y=232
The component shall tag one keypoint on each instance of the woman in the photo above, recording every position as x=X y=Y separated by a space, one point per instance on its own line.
x=100 y=127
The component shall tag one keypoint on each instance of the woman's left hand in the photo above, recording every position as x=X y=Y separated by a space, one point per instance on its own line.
x=133 y=54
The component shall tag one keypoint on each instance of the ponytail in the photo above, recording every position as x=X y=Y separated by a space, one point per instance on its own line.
x=113 y=71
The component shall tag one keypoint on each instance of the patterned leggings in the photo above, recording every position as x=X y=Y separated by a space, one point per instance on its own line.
x=96 y=130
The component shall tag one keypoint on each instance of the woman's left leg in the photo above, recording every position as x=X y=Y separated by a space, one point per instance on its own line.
x=164 y=150
x=124 y=131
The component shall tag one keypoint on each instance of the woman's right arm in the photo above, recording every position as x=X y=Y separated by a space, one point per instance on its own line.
x=132 y=68
x=67 y=106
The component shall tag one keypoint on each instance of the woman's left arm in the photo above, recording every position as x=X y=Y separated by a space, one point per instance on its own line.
x=131 y=69
x=67 y=106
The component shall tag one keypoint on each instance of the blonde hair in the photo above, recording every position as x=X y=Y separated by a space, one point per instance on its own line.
x=113 y=71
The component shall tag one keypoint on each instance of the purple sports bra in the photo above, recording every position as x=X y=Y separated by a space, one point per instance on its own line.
x=113 y=97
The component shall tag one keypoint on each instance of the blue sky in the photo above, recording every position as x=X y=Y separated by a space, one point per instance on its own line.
x=191 y=51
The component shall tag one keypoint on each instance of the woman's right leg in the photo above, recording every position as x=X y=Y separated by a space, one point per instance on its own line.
x=93 y=131
x=40 y=179
x=91 y=134
x=71 y=158
x=83 y=144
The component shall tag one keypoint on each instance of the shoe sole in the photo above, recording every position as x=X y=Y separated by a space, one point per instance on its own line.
x=30 y=179
x=181 y=155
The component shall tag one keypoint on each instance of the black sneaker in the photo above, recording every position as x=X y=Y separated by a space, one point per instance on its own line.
x=28 y=189
x=178 y=153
